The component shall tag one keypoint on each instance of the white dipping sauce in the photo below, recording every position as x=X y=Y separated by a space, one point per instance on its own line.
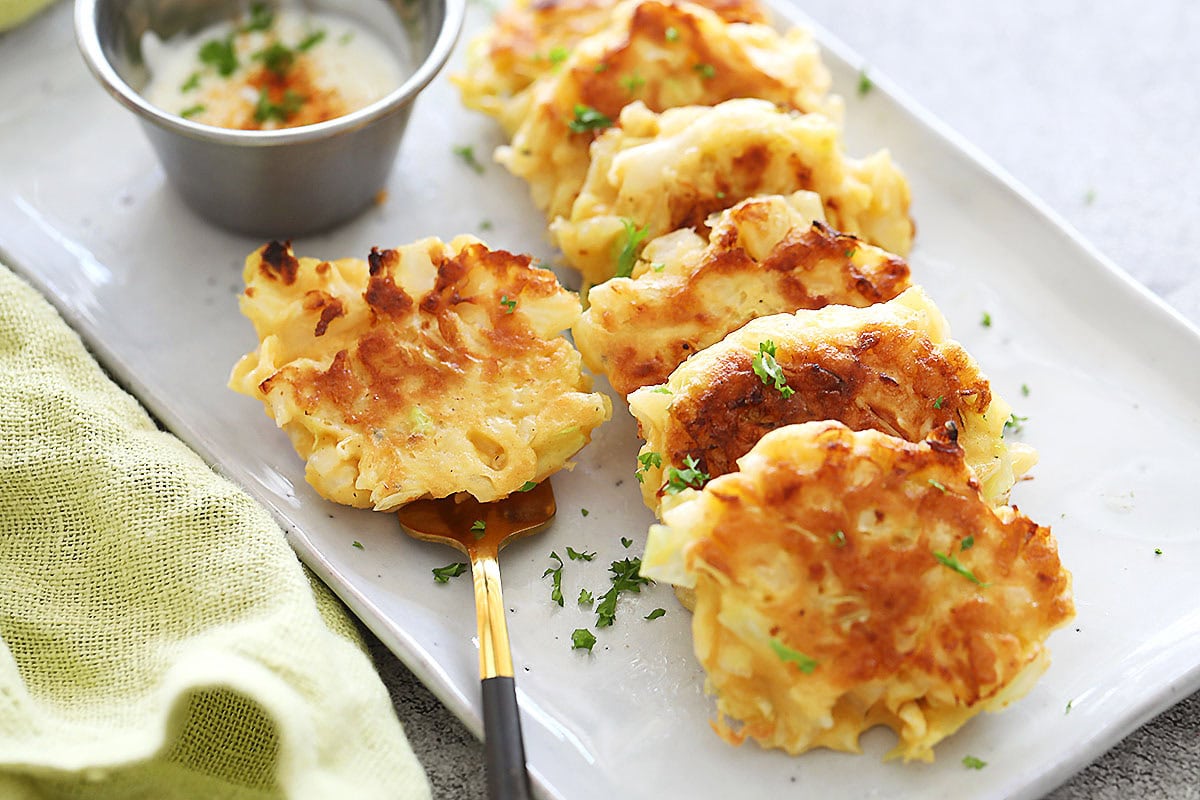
x=279 y=69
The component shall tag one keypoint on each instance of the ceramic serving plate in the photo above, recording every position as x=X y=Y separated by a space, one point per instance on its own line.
x=86 y=215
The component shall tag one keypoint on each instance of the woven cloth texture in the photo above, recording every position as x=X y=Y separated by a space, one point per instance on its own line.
x=159 y=638
x=14 y=12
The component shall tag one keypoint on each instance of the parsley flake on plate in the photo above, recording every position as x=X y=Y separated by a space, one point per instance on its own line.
x=444 y=574
x=583 y=639
x=467 y=153
x=625 y=578
x=556 y=594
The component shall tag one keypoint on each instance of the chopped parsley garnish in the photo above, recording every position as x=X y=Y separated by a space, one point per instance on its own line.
x=864 y=83
x=938 y=403
x=838 y=539
x=690 y=476
x=357 y=544
x=971 y=762
x=935 y=483
x=953 y=563
x=787 y=655
x=261 y=18
x=583 y=512
x=656 y=613
x=192 y=111
x=647 y=461
x=627 y=255
x=509 y=305
x=527 y=486
x=967 y=544
x=583 y=639
x=633 y=82
x=556 y=579
x=625 y=578
x=588 y=119
x=576 y=555
x=276 y=57
x=661 y=390
x=1090 y=197
x=625 y=542
x=485 y=225
x=218 y=54
x=467 y=153
x=1068 y=709
x=601 y=67
x=346 y=38
x=558 y=55
x=311 y=41
x=479 y=528
x=671 y=34
x=720 y=195
x=658 y=267
x=193 y=82
x=850 y=253
x=1016 y=422
x=1158 y=551
x=444 y=574
x=986 y=320
x=1025 y=390
x=266 y=110
x=706 y=71
x=585 y=598
x=768 y=370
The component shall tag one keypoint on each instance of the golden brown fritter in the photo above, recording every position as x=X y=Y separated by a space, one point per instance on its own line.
x=763 y=256
x=662 y=172
x=665 y=55
x=428 y=370
x=845 y=580
x=531 y=38
x=890 y=367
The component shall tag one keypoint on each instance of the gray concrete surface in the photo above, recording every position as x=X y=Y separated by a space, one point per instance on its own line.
x=1095 y=106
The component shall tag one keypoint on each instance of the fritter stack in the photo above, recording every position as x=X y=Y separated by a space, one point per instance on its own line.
x=831 y=468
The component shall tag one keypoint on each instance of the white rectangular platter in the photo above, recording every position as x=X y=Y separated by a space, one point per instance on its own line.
x=86 y=215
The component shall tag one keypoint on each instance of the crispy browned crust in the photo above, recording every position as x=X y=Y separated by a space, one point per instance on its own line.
x=427 y=371
x=701 y=313
x=854 y=521
x=385 y=372
x=524 y=34
x=889 y=380
x=602 y=86
x=701 y=62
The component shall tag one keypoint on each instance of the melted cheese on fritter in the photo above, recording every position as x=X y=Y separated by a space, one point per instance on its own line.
x=530 y=38
x=763 y=256
x=702 y=61
x=845 y=580
x=890 y=367
x=431 y=370
x=663 y=172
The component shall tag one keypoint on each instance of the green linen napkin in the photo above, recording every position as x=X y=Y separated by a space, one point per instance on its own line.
x=159 y=638
x=14 y=12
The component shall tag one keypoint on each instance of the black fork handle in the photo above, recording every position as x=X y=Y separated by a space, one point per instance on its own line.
x=504 y=750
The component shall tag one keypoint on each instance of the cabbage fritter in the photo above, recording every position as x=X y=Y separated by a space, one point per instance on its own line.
x=665 y=55
x=890 y=367
x=428 y=370
x=661 y=172
x=531 y=38
x=845 y=580
x=763 y=256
